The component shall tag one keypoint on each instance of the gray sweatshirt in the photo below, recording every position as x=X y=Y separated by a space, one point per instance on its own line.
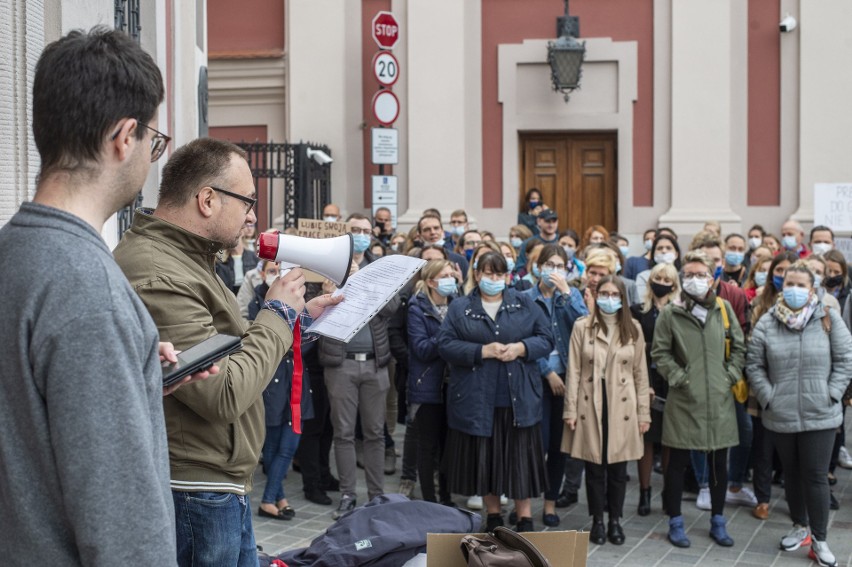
x=84 y=472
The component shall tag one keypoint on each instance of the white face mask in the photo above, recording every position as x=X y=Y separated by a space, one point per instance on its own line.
x=664 y=258
x=754 y=242
x=329 y=219
x=696 y=287
x=270 y=280
x=821 y=248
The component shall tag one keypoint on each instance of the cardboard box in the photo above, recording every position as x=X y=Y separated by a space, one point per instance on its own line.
x=562 y=549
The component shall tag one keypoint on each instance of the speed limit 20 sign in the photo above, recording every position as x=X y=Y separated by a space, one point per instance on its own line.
x=385 y=68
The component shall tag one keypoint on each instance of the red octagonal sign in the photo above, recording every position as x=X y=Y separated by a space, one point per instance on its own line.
x=385 y=30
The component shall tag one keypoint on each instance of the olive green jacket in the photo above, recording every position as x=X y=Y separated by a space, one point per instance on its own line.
x=216 y=426
x=699 y=411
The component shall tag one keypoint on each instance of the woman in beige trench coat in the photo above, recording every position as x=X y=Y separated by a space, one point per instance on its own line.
x=607 y=404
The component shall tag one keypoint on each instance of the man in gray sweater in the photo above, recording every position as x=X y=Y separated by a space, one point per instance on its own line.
x=84 y=478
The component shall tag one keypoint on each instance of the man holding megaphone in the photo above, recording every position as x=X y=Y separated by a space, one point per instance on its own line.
x=216 y=427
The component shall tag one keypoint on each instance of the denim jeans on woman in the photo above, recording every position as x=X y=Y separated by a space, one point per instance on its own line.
x=214 y=530
x=279 y=447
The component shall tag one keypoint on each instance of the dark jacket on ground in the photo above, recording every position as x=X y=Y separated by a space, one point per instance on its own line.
x=386 y=532
x=473 y=380
x=426 y=368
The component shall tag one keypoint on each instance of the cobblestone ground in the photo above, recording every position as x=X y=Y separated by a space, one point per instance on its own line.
x=756 y=542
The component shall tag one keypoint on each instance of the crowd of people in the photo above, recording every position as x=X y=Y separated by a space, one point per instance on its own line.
x=516 y=365
x=520 y=364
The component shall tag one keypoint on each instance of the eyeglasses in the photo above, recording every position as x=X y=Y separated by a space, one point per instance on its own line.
x=702 y=276
x=159 y=141
x=552 y=266
x=609 y=295
x=247 y=200
x=472 y=243
x=356 y=230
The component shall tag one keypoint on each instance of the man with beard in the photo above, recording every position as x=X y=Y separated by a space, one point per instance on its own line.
x=216 y=427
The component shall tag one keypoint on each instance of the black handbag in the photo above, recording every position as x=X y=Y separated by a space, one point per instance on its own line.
x=501 y=548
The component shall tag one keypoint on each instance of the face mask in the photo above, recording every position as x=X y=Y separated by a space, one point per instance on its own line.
x=360 y=243
x=569 y=252
x=754 y=242
x=489 y=287
x=534 y=204
x=778 y=282
x=510 y=264
x=649 y=244
x=618 y=267
x=535 y=271
x=329 y=219
x=439 y=242
x=468 y=254
x=515 y=242
x=609 y=305
x=817 y=280
x=665 y=258
x=717 y=273
x=834 y=281
x=760 y=278
x=475 y=262
x=625 y=251
x=789 y=242
x=661 y=290
x=395 y=247
x=545 y=277
x=796 y=297
x=696 y=287
x=821 y=248
x=270 y=280
x=734 y=259
x=458 y=230
x=446 y=286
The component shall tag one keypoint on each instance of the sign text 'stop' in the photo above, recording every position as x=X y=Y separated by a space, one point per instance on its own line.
x=385 y=30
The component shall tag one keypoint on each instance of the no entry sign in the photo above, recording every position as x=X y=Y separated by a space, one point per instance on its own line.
x=385 y=30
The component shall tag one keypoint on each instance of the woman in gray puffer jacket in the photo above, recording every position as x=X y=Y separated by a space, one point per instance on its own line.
x=798 y=365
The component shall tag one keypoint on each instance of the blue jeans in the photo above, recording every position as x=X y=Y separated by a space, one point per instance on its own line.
x=279 y=447
x=214 y=530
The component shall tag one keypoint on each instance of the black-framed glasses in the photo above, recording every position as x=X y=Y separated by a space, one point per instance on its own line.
x=159 y=141
x=247 y=200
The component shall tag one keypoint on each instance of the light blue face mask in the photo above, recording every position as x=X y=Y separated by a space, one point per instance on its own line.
x=360 y=243
x=609 y=305
x=516 y=242
x=545 y=277
x=760 y=278
x=446 y=286
x=510 y=264
x=796 y=297
x=489 y=287
x=569 y=252
x=618 y=267
x=734 y=259
x=535 y=271
x=625 y=251
x=458 y=230
x=789 y=242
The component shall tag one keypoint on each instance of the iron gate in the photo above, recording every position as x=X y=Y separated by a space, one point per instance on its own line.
x=290 y=185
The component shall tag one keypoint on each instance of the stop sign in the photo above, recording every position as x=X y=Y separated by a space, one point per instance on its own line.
x=385 y=30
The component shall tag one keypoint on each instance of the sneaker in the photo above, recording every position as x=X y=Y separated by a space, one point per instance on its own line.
x=822 y=554
x=503 y=500
x=703 y=500
x=474 y=503
x=390 y=461
x=406 y=488
x=796 y=538
x=347 y=504
x=743 y=496
x=844 y=459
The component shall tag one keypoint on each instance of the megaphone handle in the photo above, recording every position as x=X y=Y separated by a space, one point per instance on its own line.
x=296 y=388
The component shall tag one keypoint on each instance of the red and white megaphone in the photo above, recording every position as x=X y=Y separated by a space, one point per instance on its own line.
x=329 y=257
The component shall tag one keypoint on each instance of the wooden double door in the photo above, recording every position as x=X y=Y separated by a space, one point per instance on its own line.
x=576 y=174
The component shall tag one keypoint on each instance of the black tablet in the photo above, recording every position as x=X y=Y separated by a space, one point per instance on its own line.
x=200 y=357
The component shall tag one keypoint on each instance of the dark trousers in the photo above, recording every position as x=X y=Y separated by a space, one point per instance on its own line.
x=761 y=456
x=551 y=433
x=605 y=482
x=409 y=452
x=430 y=424
x=805 y=458
x=315 y=445
x=839 y=441
x=678 y=462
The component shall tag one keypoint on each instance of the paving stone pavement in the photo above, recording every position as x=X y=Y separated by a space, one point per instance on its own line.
x=756 y=542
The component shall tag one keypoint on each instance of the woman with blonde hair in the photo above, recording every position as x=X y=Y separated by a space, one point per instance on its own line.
x=664 y=286
x=607 y=405
x=518 y=234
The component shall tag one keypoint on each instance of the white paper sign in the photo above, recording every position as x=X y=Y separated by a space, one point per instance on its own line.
x=385 y=146
x=833 y=206
x=385 y=189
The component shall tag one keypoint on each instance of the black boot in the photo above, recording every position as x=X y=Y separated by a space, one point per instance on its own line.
x=644 y=501
x=493 y=521
x=598 y=532
x=615 y=533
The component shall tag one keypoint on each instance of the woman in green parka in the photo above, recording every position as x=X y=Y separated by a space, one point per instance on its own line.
x=691 y=355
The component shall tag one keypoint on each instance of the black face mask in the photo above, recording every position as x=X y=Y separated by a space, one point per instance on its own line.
x=833 y=281
x=661 y=290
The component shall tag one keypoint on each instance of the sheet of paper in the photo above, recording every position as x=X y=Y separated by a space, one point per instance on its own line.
x=366 y=292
